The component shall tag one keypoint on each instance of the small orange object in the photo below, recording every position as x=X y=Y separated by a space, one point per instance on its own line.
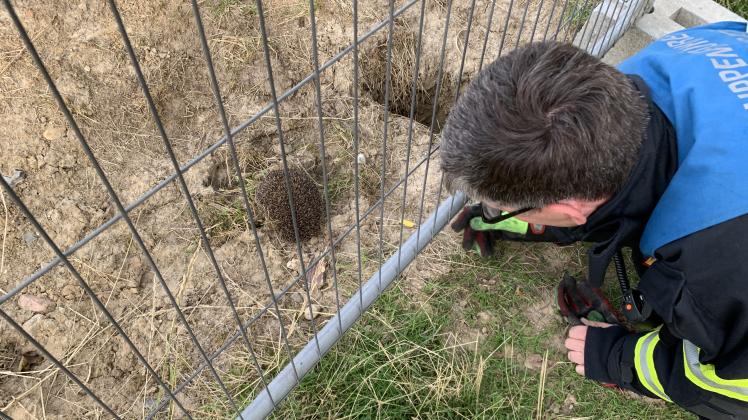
x=649 y=261
x=628 y=306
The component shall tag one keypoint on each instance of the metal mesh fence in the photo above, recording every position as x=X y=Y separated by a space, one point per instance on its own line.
x=230 y=302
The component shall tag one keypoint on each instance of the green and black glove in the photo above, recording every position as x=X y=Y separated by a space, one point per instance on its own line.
x=478 y=235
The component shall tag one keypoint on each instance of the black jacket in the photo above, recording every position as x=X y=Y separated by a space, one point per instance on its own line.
x=698 y=286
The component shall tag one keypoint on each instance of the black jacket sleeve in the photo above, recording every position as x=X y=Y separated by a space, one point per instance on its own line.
x=698 y=358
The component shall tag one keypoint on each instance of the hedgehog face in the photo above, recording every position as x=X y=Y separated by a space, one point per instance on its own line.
x=272 y=196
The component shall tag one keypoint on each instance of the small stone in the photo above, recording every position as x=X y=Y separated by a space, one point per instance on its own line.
x=569 y=402
x=69 y=291
x=67 y=161
x=86 y=69
x=555 y=408
x=29 y=238
x=361 y=159
x=53 y=132
x=315 y=311
x=29 y=360
x=533 y=362
x=296 y=298
x=294 y=265
x=32 y=325
x=150 y=403
x=36 y=304
x=15 y=179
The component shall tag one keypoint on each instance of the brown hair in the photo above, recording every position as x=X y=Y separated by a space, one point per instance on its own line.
x=544 y=123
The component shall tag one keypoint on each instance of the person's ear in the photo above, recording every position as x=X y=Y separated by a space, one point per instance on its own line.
x=575 y=209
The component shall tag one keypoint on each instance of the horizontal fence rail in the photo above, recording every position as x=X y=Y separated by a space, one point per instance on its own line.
x=409 y=105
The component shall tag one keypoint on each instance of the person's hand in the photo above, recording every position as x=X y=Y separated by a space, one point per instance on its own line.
x=577 y=300
x=576 y=340
x=479 y=236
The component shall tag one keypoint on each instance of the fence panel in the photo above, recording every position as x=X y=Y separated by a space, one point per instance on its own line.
x=327 y=115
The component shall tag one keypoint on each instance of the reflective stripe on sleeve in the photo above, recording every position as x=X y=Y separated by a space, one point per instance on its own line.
x=644 y=364
x=704 y=375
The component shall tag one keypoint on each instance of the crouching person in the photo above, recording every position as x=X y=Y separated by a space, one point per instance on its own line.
x=653 y=156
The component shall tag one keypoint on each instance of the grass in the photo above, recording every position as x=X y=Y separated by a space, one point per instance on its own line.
x=467 y=348
x=223 y=6
x=577 y=13
x=739 y=7
x=224 y=215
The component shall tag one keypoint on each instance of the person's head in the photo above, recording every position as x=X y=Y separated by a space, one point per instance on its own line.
x=547 y=126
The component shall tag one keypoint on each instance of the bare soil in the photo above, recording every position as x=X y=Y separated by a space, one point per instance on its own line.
x=83 y=52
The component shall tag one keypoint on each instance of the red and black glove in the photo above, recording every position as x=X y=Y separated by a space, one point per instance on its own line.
x=479 y=235
x=577 y=299
x=477 y=240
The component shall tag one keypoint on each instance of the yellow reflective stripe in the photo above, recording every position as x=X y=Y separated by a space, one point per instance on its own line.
x=644 y=364
x=705 y=376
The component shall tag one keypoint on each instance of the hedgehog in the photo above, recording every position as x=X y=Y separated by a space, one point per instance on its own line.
x=272 y=196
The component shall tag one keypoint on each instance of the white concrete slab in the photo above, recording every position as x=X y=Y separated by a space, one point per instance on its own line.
x=667 y=16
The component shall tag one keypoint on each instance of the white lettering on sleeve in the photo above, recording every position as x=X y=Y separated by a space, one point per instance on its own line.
x=731 y=75
x=739 y=86
x=725 y=63
x=722 y=52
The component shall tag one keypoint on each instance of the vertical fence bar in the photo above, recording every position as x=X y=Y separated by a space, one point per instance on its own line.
x=488 y=33
x=459 y=85
x=593 y=26
x=387 y=88
x=537 y=18
x=599 y=44
x=356 y=152
x=522 y=24
x=561 y=18
x=435 y=108
x=318 y=94
x=550 y=18
x=634 y=7
x=506 y=28
x=286 y=175
x=328 y=336
x=598 y=15
x=580 y=10
x=413 y=102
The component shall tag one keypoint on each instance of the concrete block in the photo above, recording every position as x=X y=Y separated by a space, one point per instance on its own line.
x=607 y=22
x=631 y=42
x=666 y=16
